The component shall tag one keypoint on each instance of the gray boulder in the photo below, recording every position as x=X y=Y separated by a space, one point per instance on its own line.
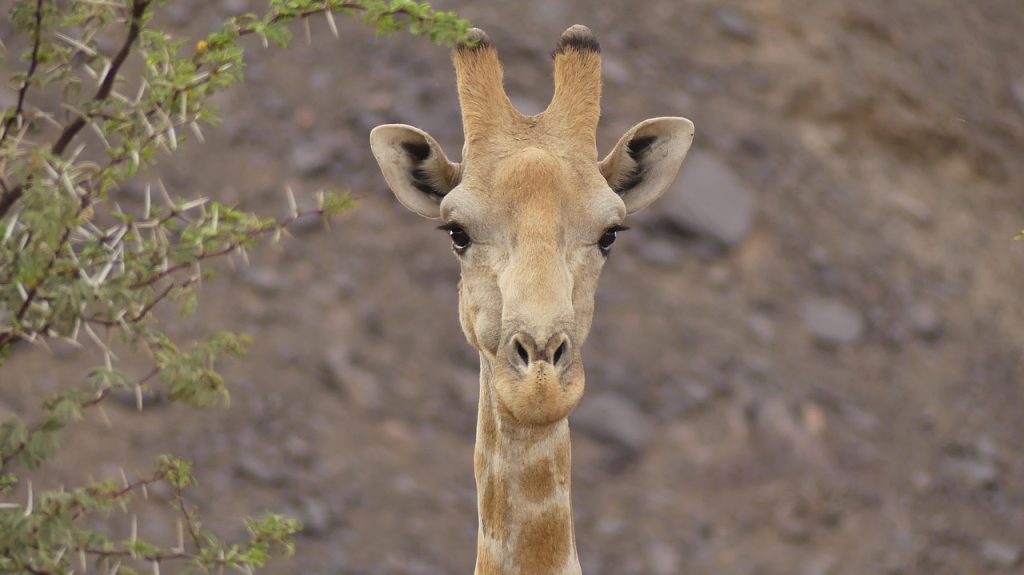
x=709 y=200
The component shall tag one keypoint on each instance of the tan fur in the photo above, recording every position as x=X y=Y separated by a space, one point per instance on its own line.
x=538 y=480
x=544 y=543
x=563 y=464
x=495 y=508
x=535 y=201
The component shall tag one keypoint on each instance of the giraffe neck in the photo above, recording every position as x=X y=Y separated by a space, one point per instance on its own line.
x=523 y=496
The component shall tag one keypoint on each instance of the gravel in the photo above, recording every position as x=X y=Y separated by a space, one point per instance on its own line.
x=832 y=322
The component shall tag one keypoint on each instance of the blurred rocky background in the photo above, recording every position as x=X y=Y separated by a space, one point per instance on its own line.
x=806 y=358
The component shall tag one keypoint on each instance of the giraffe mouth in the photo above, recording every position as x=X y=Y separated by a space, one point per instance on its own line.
x=542 y=393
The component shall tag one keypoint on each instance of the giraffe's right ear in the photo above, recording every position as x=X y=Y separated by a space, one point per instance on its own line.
x=414 y=166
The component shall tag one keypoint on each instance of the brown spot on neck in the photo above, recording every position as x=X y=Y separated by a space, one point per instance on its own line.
x=538 y=480
x=544 y=543
x=495 y=508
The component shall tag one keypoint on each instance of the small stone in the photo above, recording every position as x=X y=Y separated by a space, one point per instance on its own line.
x=259 y=469
x=986 y=448
x=612 y=417
x=821 y=565
x=975 y=473
x=912 y=208
x=762 y=326
x=719 y=276
x=832 y=322
x=264 y=280
x=710 y=200
x=922 y=481
x=315 y=516
x=1018 y=94
x=813 y=418
x=298 y=449
x=305 y=117
x=664 y=558
x=312 y=158
x=925 y=321
x=792 y=523
x=358 y=384
x=734 y=23
x=1000 y=554
x=660 y=252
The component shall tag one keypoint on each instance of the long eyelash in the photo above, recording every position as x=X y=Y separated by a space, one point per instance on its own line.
x=618 y=228
x=450 y=226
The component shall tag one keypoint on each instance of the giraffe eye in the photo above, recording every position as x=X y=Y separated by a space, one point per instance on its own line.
x=608 y=238
x=460 y=239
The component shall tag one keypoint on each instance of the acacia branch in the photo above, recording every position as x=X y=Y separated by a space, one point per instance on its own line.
x=227 y=249
x=284 y=17
x=72 y=129
x=33 y=63
x=12 y=195
x=69 y=132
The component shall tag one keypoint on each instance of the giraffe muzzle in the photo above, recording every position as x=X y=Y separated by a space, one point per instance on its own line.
x=523 y=351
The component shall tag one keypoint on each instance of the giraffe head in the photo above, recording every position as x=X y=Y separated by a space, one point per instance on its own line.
x=532 y=214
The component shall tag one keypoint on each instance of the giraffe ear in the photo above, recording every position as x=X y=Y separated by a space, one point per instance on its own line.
x=646 y=160
x=414 y=166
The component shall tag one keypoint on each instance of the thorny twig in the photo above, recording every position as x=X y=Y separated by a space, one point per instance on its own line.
x=72 y=129
x=10 y=196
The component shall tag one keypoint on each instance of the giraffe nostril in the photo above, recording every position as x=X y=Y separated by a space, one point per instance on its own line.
x=558 y=353
x=523 y=355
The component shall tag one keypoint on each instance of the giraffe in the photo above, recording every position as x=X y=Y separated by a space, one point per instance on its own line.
x=532 y=215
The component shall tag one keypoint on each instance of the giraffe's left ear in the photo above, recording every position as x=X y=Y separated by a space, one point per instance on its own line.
x=646 y=160
x=414 y=166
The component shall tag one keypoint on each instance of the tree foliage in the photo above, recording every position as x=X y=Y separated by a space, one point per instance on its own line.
x=76 y=268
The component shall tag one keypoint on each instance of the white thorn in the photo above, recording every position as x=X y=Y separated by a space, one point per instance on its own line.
x=181 y=537
x=199 y=133
x=10 y=227
x=163 y=191
x=28 y=506
x=76 y=43
x=104 y=416
x=106 y=69
x=293 y=206
x=330 y=21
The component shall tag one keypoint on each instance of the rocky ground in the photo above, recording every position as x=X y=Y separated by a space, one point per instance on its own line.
x=806 y=358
